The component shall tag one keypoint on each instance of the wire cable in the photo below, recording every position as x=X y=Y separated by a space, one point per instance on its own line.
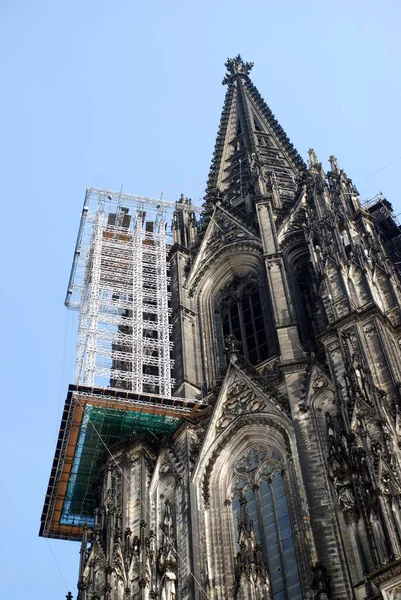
x=173 y=187
x=58 y=566
x=378 y=170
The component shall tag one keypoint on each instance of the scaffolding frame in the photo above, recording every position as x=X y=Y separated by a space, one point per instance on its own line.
x=119 y=282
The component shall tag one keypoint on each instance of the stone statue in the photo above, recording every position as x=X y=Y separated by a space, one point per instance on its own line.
x=168 y=586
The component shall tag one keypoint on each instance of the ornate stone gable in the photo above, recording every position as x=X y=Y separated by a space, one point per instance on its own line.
x=223 y=231
x=317 y=383
x=240 y=396
x=295 y=221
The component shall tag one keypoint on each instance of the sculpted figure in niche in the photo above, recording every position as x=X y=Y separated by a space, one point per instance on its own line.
x=168 y=583
x=232 y=346
x=345 y=496
x=167 y=561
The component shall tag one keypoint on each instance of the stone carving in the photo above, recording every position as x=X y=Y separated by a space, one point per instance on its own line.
x=396 y=593
x=167 y=557
x=334 y=350
x=240 y=399
x=237 y=288
x=257 y=465
x=165 y=467
x=319 y=381
x=257 y=420
x=370 y=330
x=320 y=581
x=272 y=368
x=236 y=66
x=251 y=461
x=232 y=347
x=345 y=495
x=245 y=246
x=251 y=574
x=339 y=468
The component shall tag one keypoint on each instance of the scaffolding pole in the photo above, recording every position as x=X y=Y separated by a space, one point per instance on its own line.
x=137 y=305
x=120 y=285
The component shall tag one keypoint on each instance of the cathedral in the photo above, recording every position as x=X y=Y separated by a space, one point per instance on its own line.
x=234 y=431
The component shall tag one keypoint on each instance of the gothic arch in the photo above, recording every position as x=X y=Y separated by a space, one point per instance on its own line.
x=216 y=472
x=233 y=266
x=322 y=402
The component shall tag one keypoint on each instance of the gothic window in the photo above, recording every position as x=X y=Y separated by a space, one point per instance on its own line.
x=242 y=317
x=257 y=125
x=307 y=305
x=261 y=512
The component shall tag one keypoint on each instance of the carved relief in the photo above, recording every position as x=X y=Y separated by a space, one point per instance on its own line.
x=319 y=381
x=240 y=399
x=334 y=350
x=237 y=288
x=250 y=420
x=167 y=556
x=165 y=467
x=370 y=330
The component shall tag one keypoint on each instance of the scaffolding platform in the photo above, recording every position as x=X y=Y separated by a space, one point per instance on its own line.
x=94 y=419
x=123 y=387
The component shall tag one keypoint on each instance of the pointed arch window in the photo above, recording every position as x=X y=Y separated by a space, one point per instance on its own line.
x=261 y=511
x=242 y=317
x=257 y=125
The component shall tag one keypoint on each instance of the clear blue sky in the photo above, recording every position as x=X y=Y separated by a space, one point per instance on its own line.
x=100 y=93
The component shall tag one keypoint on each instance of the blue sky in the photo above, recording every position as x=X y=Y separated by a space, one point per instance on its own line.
x=110 y=92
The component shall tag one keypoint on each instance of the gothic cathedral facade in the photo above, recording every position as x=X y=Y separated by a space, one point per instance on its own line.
x=286 y=315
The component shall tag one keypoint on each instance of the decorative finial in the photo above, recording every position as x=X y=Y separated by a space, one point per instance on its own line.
x=334 y=164
x=236 y=66
x=69 y=596
x=313 y=159
x=232 y=347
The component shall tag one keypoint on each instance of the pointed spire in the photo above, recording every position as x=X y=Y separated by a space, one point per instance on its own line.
x=253 y=156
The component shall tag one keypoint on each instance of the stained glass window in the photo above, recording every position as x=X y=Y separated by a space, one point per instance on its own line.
x=260 y=482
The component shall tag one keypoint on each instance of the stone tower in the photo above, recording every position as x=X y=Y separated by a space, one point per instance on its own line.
x=280 y=479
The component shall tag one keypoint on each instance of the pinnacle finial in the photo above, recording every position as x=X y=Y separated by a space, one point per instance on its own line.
x=334 y=164
x=236 y=66
x=313 y=159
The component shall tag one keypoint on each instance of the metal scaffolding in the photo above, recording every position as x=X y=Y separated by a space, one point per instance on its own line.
x=119 y=282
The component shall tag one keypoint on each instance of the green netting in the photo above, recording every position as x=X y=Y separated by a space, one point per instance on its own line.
x=110 y=425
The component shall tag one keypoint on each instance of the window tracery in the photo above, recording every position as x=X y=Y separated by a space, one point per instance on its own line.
x=242 y=317
x=261 y=511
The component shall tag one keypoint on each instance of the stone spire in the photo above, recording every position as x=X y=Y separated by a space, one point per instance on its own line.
x=253 y=156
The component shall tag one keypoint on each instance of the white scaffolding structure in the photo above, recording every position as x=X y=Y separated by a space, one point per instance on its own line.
x=119 y=282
